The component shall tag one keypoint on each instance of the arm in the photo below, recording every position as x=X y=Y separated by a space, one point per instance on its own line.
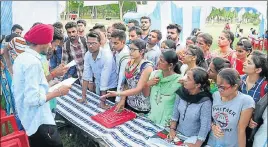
x=174 y=119
x=87 y=74
x=147 y=88
x=205 y=120
x=7 y=58
x=245 y=117
x=33 y=95
x=65 y=56
x=142 y=81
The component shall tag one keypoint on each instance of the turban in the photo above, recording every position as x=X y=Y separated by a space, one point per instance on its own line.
x=40 y=34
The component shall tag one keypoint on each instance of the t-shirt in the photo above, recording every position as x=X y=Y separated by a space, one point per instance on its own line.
x=227 y=114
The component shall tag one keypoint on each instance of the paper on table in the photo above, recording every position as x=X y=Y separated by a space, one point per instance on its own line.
x=67 y=82
x=72 y=63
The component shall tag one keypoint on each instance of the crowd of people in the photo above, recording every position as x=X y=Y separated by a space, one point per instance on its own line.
x=205 y=94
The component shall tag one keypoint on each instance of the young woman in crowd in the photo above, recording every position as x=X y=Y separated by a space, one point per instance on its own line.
x=190 y=40
x=168 y=44
x=204 y=41
x=137 y=73
x=192 y=110
x=193 y=57
x=243 y=49
x=231 y=111
x=225 y=42
x=254 y=82
x=214 y=68
x=162 y=86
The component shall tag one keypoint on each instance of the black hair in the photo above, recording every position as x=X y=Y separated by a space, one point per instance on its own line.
x=58 y=25
x=230 y=36
x=171 y=57
x=119 y=26
x=99 y=26
x=260 y=61
x=175 y=26
x=139 y=43
x=136 y=23
x=16 y=26
x=192 y=38
x=240 y=30
x=231 y=76
x=57 y=35
x=194 y=32
x=119 y=34
x=208 y=39
x=146 y=17
x=245 y=44
x=200 y=59
x=159 y=34
x=254 y=32
x=243 y=38
x=170 y=43
x=220 y=63
x=37 y=23
x=82 y=21
x=201 y=77
x=11 y=36
x=136 y=29
x=94 y=34
x=70 y=25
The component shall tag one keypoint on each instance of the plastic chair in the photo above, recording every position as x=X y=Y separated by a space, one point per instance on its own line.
x=16 y=134
x=11 y=143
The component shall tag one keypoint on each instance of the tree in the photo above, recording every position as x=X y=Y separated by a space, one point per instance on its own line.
x=121 y=4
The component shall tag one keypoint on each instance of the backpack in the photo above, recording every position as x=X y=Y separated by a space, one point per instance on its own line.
x=68 y=47
x=262 y=93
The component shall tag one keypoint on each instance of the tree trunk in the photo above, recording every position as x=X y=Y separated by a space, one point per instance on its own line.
x=121 y=4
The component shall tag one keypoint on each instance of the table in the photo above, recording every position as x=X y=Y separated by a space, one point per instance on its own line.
x=133 y=133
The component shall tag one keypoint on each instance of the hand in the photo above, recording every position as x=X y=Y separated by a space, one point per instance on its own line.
x=109 y=94
x=83 y=100
x=120 y=106
x=104 y=106
x=64 y=89
x=252 y=124
x=10 y=69
x=153 y=81
x=171 y=135
x=182 y=80
x=191 y=145
x=218 y=133
x=60 y=70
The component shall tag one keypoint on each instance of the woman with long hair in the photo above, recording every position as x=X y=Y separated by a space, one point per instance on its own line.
x=243 y=49
x=192 y=110
x=161 y=88
x=231 y=111
x=137 y=73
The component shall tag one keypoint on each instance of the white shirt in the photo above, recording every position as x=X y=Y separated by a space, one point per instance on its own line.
x=121 y=59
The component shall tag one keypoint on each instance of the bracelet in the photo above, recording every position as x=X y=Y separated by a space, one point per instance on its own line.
x=52 y=75
x=118 y=94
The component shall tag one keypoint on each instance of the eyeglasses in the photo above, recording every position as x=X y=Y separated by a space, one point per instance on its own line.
x=133 y=49
x=92 y=43
x=223 y=88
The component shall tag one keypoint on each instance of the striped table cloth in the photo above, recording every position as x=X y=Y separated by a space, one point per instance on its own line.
x=133 y=133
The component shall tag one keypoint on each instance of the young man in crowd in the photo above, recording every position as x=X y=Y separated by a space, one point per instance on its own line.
x=81 y=26
x=17 y=29
x=145 y=26
x=118 y=41
x=173 y=33
x=132 y=23
x=153 y=51
x=74 y=49
x=31 y=89
x=134 y=33
x=100 y=66
x=102 y=31
x=119 y=26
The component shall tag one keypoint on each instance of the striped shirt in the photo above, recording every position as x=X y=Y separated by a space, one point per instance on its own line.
x=77 y=53
x=18 y=44
x=255 y=91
